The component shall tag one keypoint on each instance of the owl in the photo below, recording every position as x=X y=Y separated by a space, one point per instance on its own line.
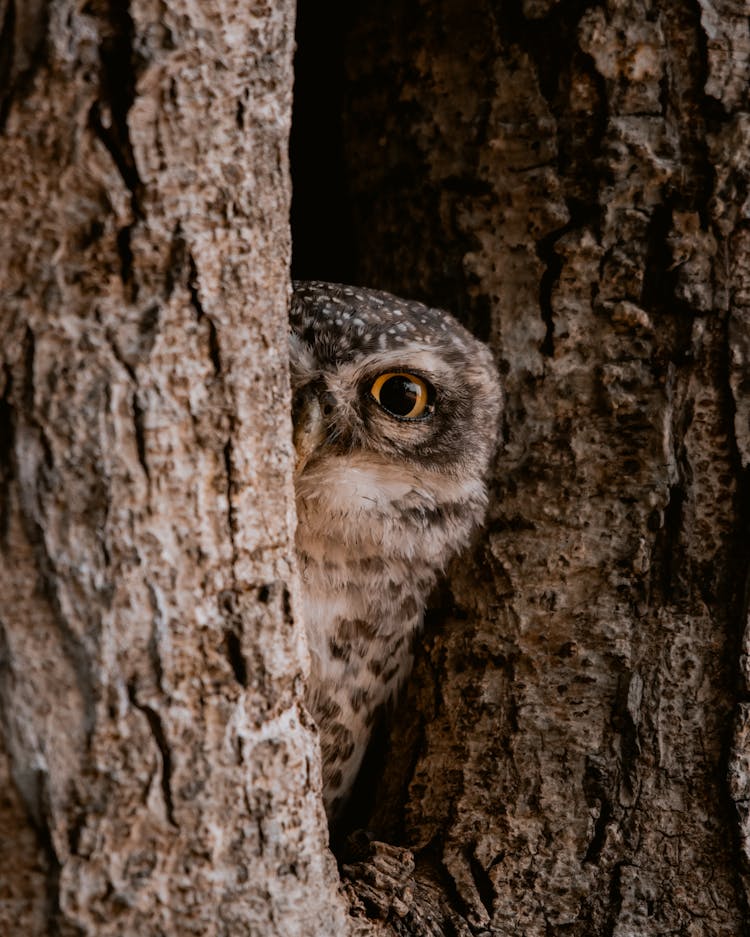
x=395 y=410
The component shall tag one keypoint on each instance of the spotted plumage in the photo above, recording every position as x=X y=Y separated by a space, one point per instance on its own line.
x=396 y=410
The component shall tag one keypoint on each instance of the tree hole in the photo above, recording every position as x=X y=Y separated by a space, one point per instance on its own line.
x=323 y=243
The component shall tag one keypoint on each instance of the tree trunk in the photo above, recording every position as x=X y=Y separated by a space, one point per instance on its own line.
x=152 y=668
x=573 y=752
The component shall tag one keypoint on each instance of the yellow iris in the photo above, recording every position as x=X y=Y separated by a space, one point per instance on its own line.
x=401 y=394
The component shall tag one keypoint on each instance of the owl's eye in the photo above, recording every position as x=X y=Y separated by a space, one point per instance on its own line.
x=403 y=395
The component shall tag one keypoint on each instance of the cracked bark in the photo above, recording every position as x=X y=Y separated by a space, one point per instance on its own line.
x=158 y=770
x=573 y=753
x=571 y=178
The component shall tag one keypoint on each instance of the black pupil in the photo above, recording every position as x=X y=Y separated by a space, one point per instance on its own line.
x=399 y=395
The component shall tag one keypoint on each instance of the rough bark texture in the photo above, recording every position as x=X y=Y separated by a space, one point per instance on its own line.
x=166 y=776
x=571 y=178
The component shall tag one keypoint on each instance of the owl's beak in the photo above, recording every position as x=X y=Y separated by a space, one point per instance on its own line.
x=309 y=430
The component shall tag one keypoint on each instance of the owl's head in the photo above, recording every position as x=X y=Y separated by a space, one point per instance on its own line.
x=394 y=402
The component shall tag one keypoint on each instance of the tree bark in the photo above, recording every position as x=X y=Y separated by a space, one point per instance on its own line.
x=572 y=757
x=573 y=752
x=166 y=774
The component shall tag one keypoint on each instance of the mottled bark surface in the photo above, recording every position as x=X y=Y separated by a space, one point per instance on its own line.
x=571 y=179
x=165 y=772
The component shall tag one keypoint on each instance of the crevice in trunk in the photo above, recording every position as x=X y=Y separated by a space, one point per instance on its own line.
x=323 y=242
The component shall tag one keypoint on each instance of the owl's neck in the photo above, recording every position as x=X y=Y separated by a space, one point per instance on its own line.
x=371 y=546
